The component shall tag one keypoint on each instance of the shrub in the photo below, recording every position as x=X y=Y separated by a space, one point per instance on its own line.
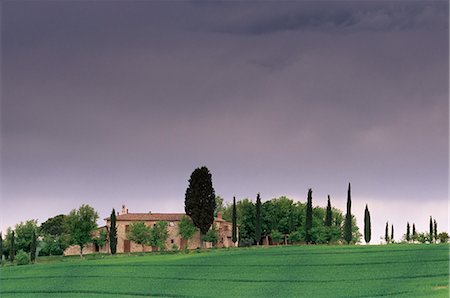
x=22 y=258
x=443 y=237
x=295 y=236
x=174 y=247
x=245 y=242
x=211 y=236
x=277 y=237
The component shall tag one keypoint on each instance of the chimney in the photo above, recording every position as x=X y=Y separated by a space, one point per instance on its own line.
x=219 y=215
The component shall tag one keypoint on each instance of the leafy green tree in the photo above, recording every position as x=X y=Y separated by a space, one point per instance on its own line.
x=82 y=223
x=348 y=218
x=139 y=233
x=234 y=222
x=220 y=207
x=24 y=235
x=246 y=221
x=211 y=236
x=200 y=200
x=55 y=226
x=113 y=233
x=386 y=233
x=408 y=232
x=281 y=214
x=443 y=237
x=7 y=243
x=159 y=235
x=52 y=245
x=258 y=220
x=102 y=238
x=367 y=225
x=422 y=237
x=56 y=237
x=392 y=233
x=186 y=229
x=309 y=218
x=33 y=247
x=435 y=231
x=277 y=236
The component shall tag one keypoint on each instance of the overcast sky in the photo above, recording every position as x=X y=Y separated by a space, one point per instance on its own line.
x=109 y=103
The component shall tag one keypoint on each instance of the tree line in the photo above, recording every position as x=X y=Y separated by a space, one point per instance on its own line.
x=279 y=221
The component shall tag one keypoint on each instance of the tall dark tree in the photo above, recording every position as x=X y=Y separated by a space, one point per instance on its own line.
x=414 y=233
x=435 y=231
x=392 y=233
x=33 y=247
x=309 y=218
x=12 y=248
x=329 y=214
x=1 y=247
x=348 y=217
x=367 y=225
x=258 y=220
x=328 y=220
x=113 y=233
x=200 y=200
x=386 y=233
x=431 y=230
x=408 y=232
x=234 y=222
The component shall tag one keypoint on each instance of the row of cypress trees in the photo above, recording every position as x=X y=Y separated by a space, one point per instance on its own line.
x=309 y=219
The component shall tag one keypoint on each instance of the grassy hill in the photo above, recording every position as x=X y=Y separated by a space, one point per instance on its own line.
x=300 y=271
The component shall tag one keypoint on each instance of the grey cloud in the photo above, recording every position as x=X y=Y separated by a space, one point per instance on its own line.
x=335 y=16
x=111 y=103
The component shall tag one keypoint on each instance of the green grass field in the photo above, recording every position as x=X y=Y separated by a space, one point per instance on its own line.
x=300 y=271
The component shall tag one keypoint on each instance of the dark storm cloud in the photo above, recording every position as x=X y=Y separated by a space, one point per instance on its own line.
x=332 y=16
x=116 y=102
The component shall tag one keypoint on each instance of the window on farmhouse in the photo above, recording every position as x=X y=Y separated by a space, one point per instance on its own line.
x=127 y=228
x=171 y=241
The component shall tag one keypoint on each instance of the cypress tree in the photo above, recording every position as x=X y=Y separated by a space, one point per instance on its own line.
x=386 y=233
x=33 y=247
x=392 y=233
x=258 y=220
x=113 y=233
x=431 y=230
x=408 y=233
x=234 y=221
x=309 y=217
x=348 y=218
x=329 y=214
x=1 y=247
x=435 y=231
x=414 y=233
x=328 y=220
x=12 y=248
x=367 y=225
x=200 y=200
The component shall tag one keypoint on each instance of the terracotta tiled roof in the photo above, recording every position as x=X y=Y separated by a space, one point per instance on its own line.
x=153 y=217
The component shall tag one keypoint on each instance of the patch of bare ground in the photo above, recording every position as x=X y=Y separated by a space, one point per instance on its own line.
x=436 y=288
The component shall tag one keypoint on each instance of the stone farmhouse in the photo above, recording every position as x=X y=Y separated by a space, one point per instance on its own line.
x=125 y=218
